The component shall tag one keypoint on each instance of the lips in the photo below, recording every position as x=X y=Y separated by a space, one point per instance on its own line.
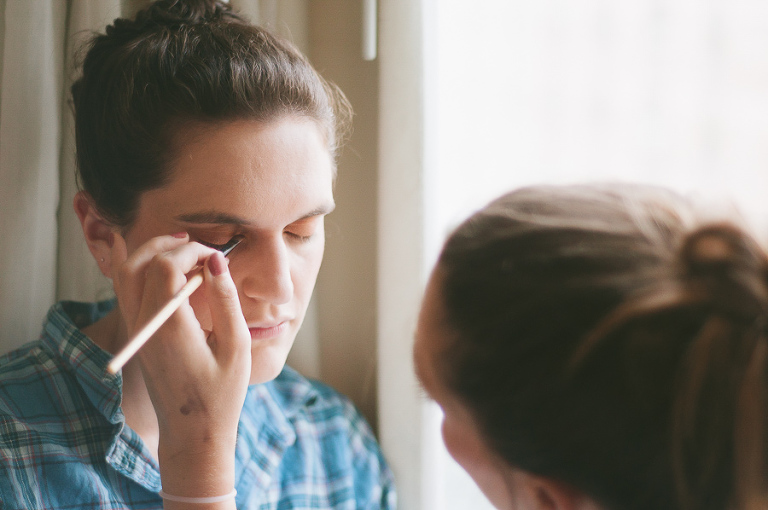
x=267 y=332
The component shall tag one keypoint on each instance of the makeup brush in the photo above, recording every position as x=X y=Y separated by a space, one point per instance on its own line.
x=149 y=329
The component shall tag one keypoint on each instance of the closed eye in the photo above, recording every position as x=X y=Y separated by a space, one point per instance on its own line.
x=299 y=237
x=305 y=229
x=226 y=247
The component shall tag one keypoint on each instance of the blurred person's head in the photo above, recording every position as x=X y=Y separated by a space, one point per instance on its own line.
x=596 y=346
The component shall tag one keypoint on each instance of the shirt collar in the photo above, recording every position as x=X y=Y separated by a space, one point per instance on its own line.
x=86 y=361
x=292 y=392
x=287 y=395
x=87 y=364
x=281 y=400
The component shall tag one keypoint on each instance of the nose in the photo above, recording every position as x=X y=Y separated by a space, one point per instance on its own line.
x=265 y=267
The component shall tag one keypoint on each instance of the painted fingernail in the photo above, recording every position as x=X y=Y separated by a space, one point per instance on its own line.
x=217 y=264
x=180 y=235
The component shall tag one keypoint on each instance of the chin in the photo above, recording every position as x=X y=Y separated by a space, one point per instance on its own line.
x=267 y=364
x=262 y=377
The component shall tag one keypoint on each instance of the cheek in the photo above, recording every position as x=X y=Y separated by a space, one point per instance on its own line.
x=305 y=267
x=458 y=445
x=468 y=450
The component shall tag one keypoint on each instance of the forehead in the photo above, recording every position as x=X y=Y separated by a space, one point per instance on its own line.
x=249 y=168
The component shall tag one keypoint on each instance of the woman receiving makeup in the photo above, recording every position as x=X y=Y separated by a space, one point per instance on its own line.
x=193 y=128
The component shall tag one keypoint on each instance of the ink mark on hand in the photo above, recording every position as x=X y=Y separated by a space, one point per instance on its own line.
x=193 y=405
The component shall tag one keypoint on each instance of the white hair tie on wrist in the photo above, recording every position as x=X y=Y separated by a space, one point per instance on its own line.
x=211 y=499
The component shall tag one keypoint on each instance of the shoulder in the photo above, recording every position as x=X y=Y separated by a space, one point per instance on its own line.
x=36 y=392
x=41 y=394
x=35 y=372
x=26 y=394
x=23 y=373
x=16 y=362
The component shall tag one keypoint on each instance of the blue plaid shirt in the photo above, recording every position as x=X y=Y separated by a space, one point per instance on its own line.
x=64 y=443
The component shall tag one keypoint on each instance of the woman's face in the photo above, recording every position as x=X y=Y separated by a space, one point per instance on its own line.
x=270 y=183
x=460 y=432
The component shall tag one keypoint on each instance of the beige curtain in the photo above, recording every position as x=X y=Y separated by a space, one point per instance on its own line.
x=29 y=145
x=42 y=256
x=77 y=275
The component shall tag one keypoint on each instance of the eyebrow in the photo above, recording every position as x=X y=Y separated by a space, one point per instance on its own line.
x=220 y=218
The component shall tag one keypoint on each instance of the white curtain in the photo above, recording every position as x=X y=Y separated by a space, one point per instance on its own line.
x=481 y=97
x=406 y=424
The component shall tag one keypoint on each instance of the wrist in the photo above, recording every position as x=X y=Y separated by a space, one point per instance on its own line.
x=198 y=500
x=197 y=470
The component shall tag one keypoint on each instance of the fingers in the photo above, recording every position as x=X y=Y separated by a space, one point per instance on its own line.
x=167 y=271
x=230 y=332
x=152 y=273
x=147 y=278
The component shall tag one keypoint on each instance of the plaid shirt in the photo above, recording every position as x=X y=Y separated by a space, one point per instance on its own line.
x=64 y=443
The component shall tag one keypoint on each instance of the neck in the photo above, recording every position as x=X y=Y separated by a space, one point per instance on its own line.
x=110 y=334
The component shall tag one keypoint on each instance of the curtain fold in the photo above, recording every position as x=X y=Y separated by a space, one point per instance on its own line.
x=29 y=148
x=42 y=254
x=2 y=39
x=78 y=276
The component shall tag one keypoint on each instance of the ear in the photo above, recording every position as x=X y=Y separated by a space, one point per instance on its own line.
x=540 y=493
x=97 y=231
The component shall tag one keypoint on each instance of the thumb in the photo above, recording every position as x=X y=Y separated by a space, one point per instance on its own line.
x=230 y=332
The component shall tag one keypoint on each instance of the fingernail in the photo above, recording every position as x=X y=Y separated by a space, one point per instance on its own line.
x=180 y=235
x=217 y=264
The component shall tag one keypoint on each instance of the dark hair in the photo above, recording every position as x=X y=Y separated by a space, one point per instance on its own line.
x=603 y=339
x=181 y=62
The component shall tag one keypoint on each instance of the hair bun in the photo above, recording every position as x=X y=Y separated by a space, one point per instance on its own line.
x=172 y=13
x=188 y=11
x=729 y=267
